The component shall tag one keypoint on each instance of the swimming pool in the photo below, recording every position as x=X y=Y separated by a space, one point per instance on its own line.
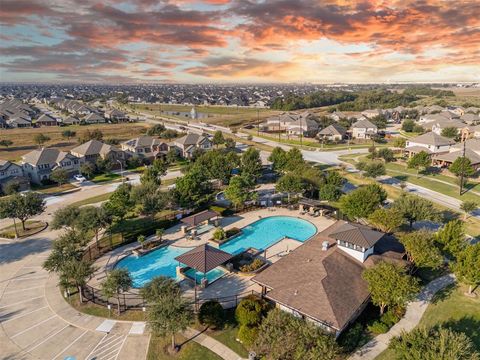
x=265 y=232
x=211 y=276
x=261 y=234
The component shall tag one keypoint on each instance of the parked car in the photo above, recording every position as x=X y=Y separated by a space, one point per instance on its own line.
x=80 y=178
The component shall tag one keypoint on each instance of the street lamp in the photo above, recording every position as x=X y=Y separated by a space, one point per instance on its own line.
x=121 y=170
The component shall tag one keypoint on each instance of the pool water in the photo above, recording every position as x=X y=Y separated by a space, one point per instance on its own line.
x=211 y=276
x=158 y=262
x=260 y=235
x=267 y=231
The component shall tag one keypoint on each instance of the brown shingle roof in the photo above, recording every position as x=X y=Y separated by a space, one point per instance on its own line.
x=200 y=217
x=357 y=234
x=432 y=138
x=204 y=258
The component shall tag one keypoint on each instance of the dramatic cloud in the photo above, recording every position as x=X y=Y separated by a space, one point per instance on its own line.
x=241 y=40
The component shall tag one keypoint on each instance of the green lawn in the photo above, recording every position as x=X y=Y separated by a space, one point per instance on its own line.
x=451 y=308
x=105 y=177
x=53 y=189
x=190 y=350
x=93 y=199
x=31 y=227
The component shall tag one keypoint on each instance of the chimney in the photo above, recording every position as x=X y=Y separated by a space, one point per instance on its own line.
x=325 y=245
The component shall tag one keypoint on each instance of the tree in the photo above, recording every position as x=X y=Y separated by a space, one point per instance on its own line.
x=87 y=169
x=230 y=144
x=168 y=312
x=467 y=266
x=331 y=186
x=11 y=187
x=386 y=220
x=419 y=161
x=193 y=189
x=218 y=138
x=421 y=249
x=211 y=314
x=27 y=205
x=119 y=202
x=278 y=158
x=60 y=176
x=433 y=343
x=294 y=159
x=172 y=156
x=6 y=143
x=7 y=211
x=74 y=273
x=374 y=169
x=88 y=135
x=68 y=134
x=408 y=125
x=289 y=183
x=65 y=217
x=250 y=163
x=156 y=129
x=284 y=336
x=40 y=139
x=462 y=166
x=360 y=203
x=239 y=190
x=380 y=121
x=117 y=281
x=450 y=132
x=399 y=142
x=414 y=208
x=451 y=238
x=92 y=218
x=468 y=207
x=389 y=285
x=386 y=154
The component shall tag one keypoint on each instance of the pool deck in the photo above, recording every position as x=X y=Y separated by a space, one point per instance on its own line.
x=231 y=284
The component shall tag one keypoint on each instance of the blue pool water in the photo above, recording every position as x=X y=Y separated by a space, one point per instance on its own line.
x=260 y=235
x=267 y=231
x=211 y=276
x=155 y=263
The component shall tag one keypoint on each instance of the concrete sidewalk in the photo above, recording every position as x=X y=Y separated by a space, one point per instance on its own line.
x=413 y=315
x=211 y=344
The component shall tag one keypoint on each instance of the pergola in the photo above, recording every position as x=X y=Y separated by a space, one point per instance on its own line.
x=199 y=218
x=312 y=204
x=204 y=258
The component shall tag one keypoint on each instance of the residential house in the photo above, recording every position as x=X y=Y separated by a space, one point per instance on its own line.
x=115 y=115
x=446 y=159
x=337 y=116
x=11 y=172
x=38 y=164
x=303 y=126
x=371 y=113
x=146 y=146
x=363 y=129
x=333 y=132
x=470 y=119
x=71 y=120
x=94 y=118
x=46 y=120
x=321 y=280
x=292 y=123
x=19 y=122
x=92 y=150
x=431 y=143
x=187 y=144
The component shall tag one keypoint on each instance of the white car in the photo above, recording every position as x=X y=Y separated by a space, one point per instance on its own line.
x=80 y=178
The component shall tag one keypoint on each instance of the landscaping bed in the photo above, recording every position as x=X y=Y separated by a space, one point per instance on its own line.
x=221 y=236
x=247 y=263
x=148 y=247
x=32 y=227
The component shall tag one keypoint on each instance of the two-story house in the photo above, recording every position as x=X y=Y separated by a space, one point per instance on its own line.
x=11 y=172
x=145 y=146
x=431 y=143
x=38 y=164
x=364 y=129
x=187 y=144
x=92 y=150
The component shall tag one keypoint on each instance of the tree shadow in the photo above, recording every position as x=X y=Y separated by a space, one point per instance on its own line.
x=444 y=294
x=19 y=249
x=467 y=325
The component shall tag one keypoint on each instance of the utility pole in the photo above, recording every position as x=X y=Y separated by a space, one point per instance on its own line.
x=462 y=174
x=258 y=123
x=301 y=132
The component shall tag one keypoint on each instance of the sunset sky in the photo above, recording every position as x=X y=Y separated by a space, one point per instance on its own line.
x=239 y=41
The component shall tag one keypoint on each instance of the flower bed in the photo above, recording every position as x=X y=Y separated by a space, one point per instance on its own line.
x=148 y=247
x=220 y=236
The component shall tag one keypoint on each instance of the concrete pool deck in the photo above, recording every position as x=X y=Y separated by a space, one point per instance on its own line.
x=231 y=284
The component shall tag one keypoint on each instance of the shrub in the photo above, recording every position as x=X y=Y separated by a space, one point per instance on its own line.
x=219 y=234
x=211 y=314
x=254 y=265
x=250 y=311
x=247 y=335
x=378 y=327
x=353 y=338
x=390 y=318
x=231 y=232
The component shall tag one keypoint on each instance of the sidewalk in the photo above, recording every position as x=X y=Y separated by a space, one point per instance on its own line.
x=413 y=315
x=211 y=344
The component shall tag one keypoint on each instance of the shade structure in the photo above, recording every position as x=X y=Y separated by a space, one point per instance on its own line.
x=204 y=258
x=195 y=219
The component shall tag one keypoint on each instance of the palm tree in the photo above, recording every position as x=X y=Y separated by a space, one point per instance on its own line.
x=117 y=281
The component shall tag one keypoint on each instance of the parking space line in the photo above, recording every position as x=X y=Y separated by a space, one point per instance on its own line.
x=33 y=326
x=30 y=278
x=107 y=342
x=117 y=342
x=48 y=338
x=20 y=290
x=69 y=346
x=21 y=302
x=121 y=347
x=22 y=315
x=95 y=348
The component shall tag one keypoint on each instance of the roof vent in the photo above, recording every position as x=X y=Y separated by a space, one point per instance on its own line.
x=296 y=292
x=325 y=245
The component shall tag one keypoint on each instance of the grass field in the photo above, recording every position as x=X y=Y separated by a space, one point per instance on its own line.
x=53 y=189
x=93 y=200
x=23 y=138
x=452 y=309
x=31 y=227
x=189 y=350
x=105 y=178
